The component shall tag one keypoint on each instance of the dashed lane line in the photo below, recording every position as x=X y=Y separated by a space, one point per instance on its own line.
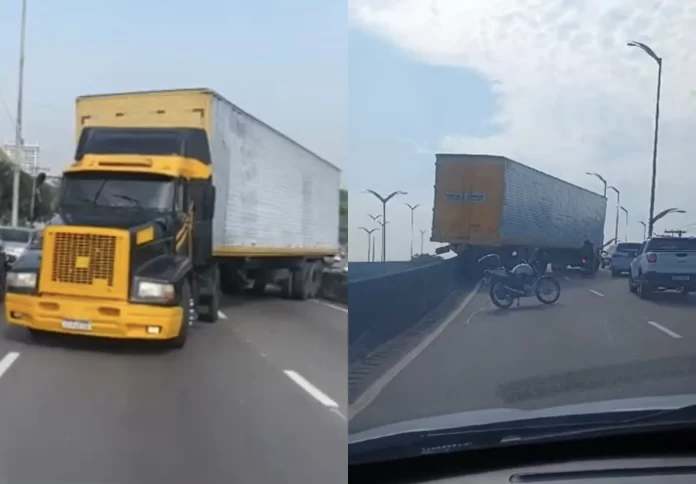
x=7 y=361
x=317 y=394
x=667 y=331
x=330 y=305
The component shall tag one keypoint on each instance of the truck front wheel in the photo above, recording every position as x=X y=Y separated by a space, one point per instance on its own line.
x=187 y=305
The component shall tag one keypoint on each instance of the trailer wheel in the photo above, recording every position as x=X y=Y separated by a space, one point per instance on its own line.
x=302 y=282
x=317 y=279
x=211 y=301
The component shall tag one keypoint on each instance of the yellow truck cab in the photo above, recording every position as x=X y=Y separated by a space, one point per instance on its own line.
x=173 y=198
x=128 y=253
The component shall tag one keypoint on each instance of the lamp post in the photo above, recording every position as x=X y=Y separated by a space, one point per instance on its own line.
x=618 y=204
x=645 y=228
x=384 y=201
x=19 y=141
x=413 y=209
x=663 y=214
x=375 y=220
x=601 y=178
x=369 y=240
x=626 y=234
x=657 y=59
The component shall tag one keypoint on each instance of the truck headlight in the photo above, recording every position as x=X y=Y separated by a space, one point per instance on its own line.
x=155 y=291
x=21 y=280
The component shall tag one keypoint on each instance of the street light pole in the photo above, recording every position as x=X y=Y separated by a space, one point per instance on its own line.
x=618 y=204
x=422 y=232
x=19 y=142
x=601 y=178
x=626 y=234
x=384 y=201
x=645 y=228
x=657 y=59
x=413 y=209
x=369 y=241
x=375 y=220
x=664 y=213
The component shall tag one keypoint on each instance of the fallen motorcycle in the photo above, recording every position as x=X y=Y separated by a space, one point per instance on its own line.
x=524 y=280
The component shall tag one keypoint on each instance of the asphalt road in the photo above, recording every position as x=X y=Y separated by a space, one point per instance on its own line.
x=259 y=397
x=598 y=342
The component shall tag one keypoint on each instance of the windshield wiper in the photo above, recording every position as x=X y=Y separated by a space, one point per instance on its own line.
x=128 y=198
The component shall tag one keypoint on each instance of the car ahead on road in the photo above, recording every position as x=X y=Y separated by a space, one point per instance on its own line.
x=16 y=240
x=664 y=263
x=622 y=257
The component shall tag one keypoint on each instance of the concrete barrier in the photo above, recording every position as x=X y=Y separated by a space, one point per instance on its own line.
x=368 y=270
x=381 y=308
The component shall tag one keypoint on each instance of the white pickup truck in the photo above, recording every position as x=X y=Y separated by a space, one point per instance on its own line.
x=664 y=263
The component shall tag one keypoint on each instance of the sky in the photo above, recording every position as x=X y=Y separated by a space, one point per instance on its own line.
x=379 y=86
x=283 y=62
x=549 y=83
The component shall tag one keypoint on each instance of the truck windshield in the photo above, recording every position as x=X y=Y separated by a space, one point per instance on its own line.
x=137 y=191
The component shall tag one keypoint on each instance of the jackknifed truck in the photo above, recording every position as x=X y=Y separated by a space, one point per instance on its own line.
x=491 y=204
x=172 y=198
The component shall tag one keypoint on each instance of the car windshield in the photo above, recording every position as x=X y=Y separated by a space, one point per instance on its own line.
x=526 y=133
x=135 y=191
x=8 y=234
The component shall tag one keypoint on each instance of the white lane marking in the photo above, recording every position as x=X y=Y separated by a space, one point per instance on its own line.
x=596 y=293
x=338 y=412
x=222 y=315
x=7 y=361
x=566 y=278
x=318 y=395
x=329 y=305
x=667 y=331
x=376 y=388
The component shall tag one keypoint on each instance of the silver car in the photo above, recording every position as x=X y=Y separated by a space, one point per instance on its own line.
x=622 y=257
x=16 y=240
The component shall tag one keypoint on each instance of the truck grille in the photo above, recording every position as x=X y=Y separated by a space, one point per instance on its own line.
x=83 y=258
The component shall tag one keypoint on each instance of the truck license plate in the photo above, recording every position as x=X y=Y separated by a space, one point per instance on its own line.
x=80 y=325
x=680 y=278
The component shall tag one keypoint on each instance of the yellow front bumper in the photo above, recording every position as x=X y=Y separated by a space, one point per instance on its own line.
x=109 y=319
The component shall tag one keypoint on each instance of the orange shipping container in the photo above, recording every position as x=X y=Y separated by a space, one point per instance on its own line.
x=486 y=200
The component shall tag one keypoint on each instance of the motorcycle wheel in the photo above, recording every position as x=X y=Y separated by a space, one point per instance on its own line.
x=552 y=282
x=495 y=291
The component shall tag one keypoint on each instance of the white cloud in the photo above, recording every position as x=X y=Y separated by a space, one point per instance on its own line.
x=572 y=97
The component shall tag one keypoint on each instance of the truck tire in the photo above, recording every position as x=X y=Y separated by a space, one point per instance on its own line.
x=260 y=284
x=187 y=305
x=317 y=279
x=302 y=282
x=211 y=302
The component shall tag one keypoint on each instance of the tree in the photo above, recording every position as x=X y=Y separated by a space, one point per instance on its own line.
x=44 y=202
